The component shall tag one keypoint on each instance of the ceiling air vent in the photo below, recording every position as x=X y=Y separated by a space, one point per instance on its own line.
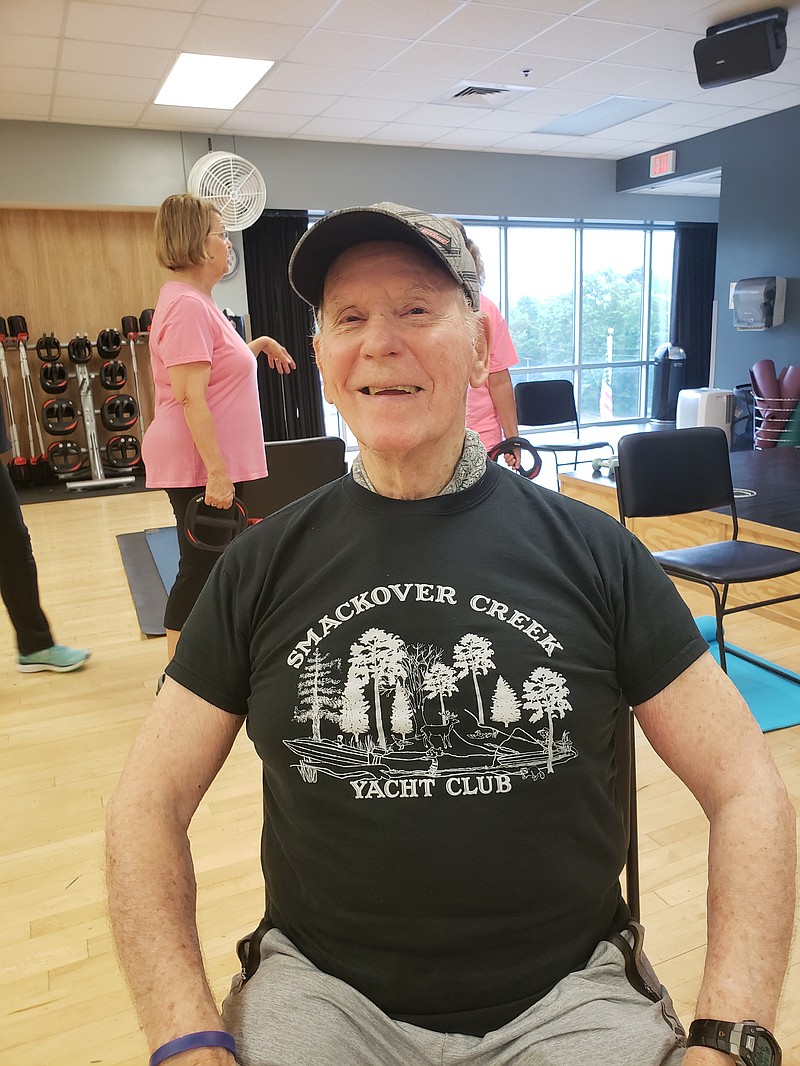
x=490 y=95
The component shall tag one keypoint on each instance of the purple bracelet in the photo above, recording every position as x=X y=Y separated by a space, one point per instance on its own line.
x=210 y=1038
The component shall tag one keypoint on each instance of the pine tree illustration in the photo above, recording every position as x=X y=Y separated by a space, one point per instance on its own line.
x=474 y=655
x=545 y=693
x=355 y=709
x=402 y=720
x=440 y=681
x=378 y=657
x=318 y=692
x=505 y=703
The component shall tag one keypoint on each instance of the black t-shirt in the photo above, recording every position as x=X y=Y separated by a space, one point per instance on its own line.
x=432 y=686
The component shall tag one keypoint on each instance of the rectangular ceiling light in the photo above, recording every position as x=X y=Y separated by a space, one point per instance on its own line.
x=601 y=116
x=218 y=82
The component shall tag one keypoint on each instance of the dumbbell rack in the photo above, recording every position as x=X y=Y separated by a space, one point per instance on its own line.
x=99 y=480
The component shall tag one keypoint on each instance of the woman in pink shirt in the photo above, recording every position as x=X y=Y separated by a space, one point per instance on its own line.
x=491 y=410
x=206 y=435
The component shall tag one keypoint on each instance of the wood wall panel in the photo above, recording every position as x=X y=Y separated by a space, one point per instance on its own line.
x=74 y=272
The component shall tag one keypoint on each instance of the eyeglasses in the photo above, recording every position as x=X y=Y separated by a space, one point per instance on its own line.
x=219 y=233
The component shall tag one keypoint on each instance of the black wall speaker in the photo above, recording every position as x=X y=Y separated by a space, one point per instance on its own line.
x=742 y=48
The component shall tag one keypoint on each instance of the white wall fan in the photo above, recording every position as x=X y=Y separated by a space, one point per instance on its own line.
x=234 y=186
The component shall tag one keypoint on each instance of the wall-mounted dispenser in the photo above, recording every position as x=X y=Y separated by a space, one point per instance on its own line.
x=758 y=303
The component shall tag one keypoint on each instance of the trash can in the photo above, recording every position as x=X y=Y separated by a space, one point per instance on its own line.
x=668 y=380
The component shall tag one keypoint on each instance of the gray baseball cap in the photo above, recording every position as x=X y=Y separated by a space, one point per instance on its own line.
x=441 y=238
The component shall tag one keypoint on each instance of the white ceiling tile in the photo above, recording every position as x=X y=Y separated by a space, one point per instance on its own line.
x=610 y=78
x=663 y=49
x=645 y=129
x=508 y=70
x=469 y=137
x=340 y=128
x=493 y=26
x=87 y=85
x=509 y=121
x=121 y=25
x=352 y=50
x=235 y=37
x=443 y=60
x=736 y=115
x=19 y=44
x=670 y=85
x=174 y=117
x=557 y=7
x=413 y=88
x=741 y=93
x=654 y=13
x=407 y=133
x=25 y=105
x=780 y=103
x=190 y=6
x=42 y=18
x=532 y=142
x=131 y=61
x=117 y=112
x=688 y=113
x=367 y=110
x=556 y=102
x=381 y=19
x=26 y=80
x=269 y=102
x=441 y=115
x=259 y=124
x=305 y=77
x=289 y=12
x=579 y=38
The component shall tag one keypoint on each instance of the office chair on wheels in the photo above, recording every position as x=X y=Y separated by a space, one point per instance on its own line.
x=552 y=404
x=680 y=471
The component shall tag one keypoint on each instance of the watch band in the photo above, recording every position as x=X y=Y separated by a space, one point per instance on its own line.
x=747 y=1042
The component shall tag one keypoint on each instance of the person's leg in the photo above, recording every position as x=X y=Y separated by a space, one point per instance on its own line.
x=19 y=583
x=613 y=1011
x=291 y=1014
x=194 y=566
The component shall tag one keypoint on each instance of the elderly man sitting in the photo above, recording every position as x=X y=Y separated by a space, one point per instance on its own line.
x=430 y=655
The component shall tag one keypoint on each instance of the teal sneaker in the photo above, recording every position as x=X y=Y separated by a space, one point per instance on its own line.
x=59 y=658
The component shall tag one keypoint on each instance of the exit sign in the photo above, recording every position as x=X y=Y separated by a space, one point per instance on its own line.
x=662 y=164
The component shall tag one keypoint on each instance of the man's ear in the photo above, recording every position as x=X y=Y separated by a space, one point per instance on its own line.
x=316 y=344
x=483 y=350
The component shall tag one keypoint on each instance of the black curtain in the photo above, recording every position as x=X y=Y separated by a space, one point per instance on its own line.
x=693 y=274
x=291 y=404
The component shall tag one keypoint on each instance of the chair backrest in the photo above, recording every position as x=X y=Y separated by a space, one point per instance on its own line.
x=546 y=403
x=296 y=467
x=674 y=471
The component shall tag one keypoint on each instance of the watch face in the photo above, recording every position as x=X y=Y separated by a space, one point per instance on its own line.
x=762 y=1054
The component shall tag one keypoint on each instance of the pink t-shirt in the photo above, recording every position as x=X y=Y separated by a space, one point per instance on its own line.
x=481 y=414
x=188 y=327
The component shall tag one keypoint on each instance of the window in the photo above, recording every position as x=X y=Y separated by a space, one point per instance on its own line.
x=584 y=301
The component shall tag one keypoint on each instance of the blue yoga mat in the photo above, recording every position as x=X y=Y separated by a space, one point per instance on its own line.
x=163 y=545
x=774 y=701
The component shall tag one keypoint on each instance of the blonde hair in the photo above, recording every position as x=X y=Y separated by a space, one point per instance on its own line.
x=182 y=224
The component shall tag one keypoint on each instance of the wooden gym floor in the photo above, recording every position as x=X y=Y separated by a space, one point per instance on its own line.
x=63 y=739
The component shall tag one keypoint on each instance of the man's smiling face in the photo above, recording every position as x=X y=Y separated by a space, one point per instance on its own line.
x=397 y=349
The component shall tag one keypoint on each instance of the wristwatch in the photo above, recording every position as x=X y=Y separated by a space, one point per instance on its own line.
x=748 y=1043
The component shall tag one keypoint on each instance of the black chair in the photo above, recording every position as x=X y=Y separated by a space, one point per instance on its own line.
x=552 y=403
x=296 y=467
x=679 y=471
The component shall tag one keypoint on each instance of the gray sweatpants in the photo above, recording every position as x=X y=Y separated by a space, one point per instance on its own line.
x=291 y=1014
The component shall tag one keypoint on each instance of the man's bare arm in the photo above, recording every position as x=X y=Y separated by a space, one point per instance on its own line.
x=703 y=730
x=151 y=883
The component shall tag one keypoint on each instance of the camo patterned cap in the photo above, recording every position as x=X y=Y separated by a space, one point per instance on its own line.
x=441 y=238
